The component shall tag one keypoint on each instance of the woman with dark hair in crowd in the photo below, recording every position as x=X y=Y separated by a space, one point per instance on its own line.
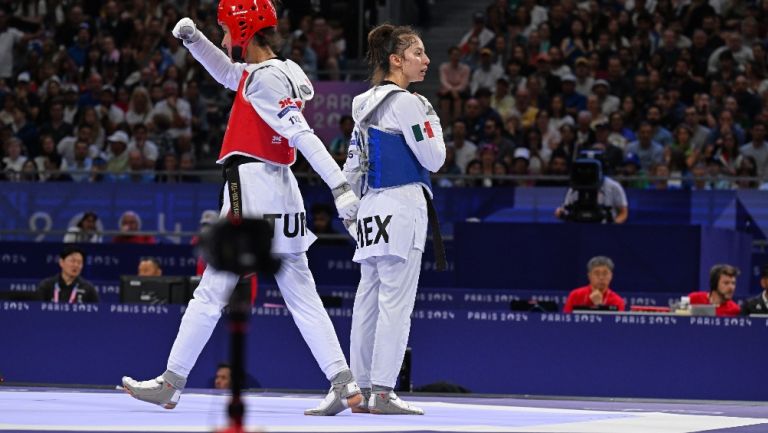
x=747 y=168
x=679 y=172
x=681 y=141
x=568 y=140
x=29 y=172
x=89 y=117
x=536 y=161
x=172 y=73
x=52 y=169
x=755 y=73
x=52 y=91
x=500 y=169
x=514 y=75
x=92 y=63
x=47 y=151
x=168 y=165
x=557 y=114
x=615 y=35
x=577 y=44
x=727 y=152
x=629 y=112
x=475 y=170
x=496 y=18
x=488 y=154
x=523 y=19
x=520 y=55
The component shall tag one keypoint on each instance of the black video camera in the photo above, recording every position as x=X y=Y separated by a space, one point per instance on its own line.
x=586 y=180
x=240 y=246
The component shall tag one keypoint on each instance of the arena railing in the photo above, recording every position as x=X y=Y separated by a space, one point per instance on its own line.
x=214 y=176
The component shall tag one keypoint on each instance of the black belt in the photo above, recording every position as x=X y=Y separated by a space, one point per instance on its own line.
x=437 y=239
x=231 y=175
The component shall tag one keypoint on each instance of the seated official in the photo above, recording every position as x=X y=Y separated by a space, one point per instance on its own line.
x=149 y=267
x=597 y=293
x=722 y=285
x=67 y=286
x=223 y=378
x=758 y=304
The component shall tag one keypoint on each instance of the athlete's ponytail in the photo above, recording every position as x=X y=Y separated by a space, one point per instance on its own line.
x=383 y=41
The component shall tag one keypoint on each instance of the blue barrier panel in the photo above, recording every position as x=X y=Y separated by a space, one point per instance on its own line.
x=173 y=208
x=485 y=351
x=330 y=264
x=649 y=259
x=659 y=258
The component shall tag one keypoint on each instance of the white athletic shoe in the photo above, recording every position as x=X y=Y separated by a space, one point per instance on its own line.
x=164 y=390
x=339 y=398
x=388 y=403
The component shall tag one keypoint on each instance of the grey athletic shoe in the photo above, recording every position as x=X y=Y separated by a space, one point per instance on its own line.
x=363 y=406
x=340 y=397
x=388 y=403
x=164 y=390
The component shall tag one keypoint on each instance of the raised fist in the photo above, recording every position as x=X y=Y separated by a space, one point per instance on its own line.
x=186 y=30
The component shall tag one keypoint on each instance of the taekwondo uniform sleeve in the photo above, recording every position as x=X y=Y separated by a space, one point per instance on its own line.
x=422 y=130
x=216 y=62
x=265 y=91
x=352 y=170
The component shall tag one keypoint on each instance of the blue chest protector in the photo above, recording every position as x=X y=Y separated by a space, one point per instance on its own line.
x=391 y=162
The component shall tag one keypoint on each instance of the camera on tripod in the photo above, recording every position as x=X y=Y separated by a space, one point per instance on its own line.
x=586 y=181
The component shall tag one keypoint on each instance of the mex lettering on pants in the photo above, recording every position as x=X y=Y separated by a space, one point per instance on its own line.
x=366 y=228
x=299 y=223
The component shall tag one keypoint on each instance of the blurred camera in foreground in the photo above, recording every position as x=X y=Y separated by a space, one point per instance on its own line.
x=240 y=246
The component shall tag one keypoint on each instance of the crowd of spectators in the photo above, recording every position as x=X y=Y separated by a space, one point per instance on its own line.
x=672 y=93
x=101 y=91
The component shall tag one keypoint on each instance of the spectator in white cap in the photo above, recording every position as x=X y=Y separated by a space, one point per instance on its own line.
x=608 y=103
x=117 y=154
x=520 y=162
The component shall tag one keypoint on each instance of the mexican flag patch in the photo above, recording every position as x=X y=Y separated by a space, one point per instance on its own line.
x=420 y=130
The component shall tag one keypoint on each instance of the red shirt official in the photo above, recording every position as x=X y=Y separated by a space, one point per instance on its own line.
x=727 y=308
x=580 y=298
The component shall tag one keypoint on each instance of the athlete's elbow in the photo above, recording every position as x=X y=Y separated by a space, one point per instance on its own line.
x=437 y=161
x=435 y=164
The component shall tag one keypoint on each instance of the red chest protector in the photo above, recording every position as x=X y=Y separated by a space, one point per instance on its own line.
x=247 y=133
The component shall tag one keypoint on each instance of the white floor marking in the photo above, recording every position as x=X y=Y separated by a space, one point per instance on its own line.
x=29 y=410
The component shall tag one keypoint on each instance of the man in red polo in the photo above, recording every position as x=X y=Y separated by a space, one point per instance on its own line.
x=722 y=285
x=597 y=293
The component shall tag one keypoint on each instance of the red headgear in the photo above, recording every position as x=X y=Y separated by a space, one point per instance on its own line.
x=244 y=18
